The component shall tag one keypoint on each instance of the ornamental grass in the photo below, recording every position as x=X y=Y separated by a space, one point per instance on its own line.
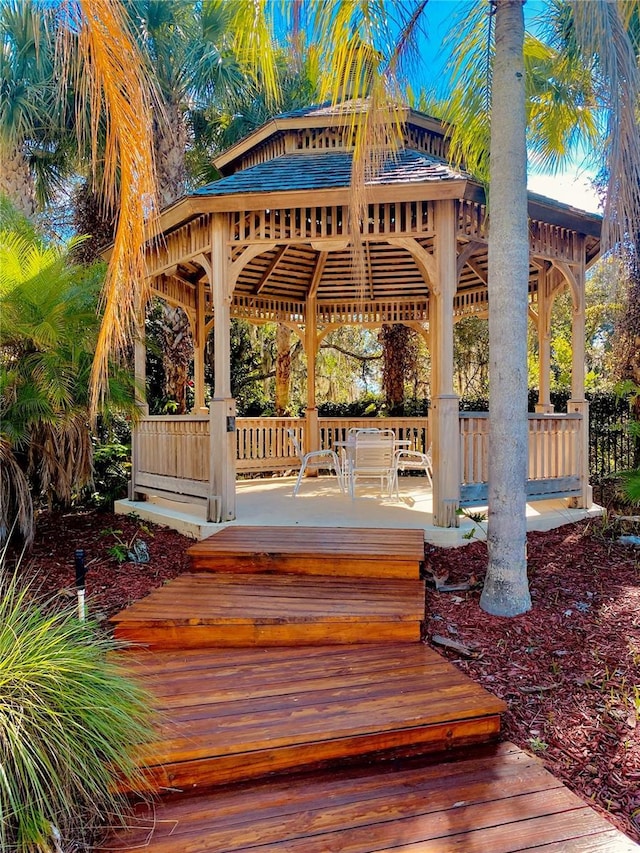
x=70 y=722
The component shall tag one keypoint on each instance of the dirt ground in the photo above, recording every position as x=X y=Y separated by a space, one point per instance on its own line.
x=569 y=669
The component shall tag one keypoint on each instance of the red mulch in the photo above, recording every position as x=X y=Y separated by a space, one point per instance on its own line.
x=110 y=585
x=570 y=668
x=567 y=669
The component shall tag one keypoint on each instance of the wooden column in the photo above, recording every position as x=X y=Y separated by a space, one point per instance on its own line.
x=140 y=379
x=312 y=429
x=578 y=403
x=445 y=430
x=199 y=342
x=222 y=410
x=140 y=363
x=544 y=344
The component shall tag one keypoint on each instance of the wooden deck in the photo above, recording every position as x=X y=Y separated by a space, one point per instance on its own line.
x=493 y=799
x=345 y=552
x=386 y=745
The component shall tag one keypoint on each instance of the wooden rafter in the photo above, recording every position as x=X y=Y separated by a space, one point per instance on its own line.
x=475 y=266
x=279 y=255
x=317 y=274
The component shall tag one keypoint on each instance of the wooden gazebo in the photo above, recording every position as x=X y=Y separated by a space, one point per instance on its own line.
x=270 y=241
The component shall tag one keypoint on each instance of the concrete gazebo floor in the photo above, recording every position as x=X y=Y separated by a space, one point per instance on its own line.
x=269 y=502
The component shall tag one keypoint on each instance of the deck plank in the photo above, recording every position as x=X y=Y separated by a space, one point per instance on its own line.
x=494 y=798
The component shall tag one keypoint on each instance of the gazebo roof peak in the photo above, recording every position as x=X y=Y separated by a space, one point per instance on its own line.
x=312 y=121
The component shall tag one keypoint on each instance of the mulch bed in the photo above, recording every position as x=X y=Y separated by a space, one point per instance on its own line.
x=110 y=585
x=569 y=670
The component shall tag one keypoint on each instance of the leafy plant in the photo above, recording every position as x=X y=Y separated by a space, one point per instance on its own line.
x=131 y=548
x=70 y=722
x=538 y=745
x=112 y=466
x=48 y=331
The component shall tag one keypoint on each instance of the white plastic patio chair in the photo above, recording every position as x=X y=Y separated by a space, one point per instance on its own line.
x=413 y=460
x=372 y=457
x=315 y=460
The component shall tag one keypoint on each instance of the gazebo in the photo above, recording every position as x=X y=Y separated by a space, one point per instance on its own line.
x=271 y=242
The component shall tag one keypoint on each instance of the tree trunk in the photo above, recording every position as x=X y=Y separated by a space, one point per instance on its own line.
x=170 y=144
x=506 y=589
x=283 y=368
x=177 y=351
x=16 y=181
x=399 y=353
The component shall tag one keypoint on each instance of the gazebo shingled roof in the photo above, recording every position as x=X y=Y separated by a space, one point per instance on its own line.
x=328 y=169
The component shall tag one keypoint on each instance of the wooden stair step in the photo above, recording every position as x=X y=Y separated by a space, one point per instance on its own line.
x=203 y=610
x=230 y=714
x=355 y=552
x=492 y=798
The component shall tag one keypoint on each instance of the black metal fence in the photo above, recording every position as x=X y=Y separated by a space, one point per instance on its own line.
x=611 y=446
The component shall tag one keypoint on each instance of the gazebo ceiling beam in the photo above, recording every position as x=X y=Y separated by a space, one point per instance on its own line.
x=317 y=274
x=478 y=270
x=279 y=255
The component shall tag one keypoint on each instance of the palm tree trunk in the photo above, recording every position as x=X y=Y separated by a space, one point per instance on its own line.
x=506 y=590
x=16 y=181
x=177 y=350
x=170 y=146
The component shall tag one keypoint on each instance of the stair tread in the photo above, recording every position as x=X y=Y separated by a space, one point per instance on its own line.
x=493 y=797
x=231 y=704
x=193 y=599
x=360 y=543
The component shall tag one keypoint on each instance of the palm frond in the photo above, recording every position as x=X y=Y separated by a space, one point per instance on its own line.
x=603 y=36
x=109 y=76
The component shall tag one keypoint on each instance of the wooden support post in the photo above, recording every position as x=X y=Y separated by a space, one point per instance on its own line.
x=445 y=429
x=140 y=377
x=312 y=430
x=543 y=405
x=222 y=408
x=577 y=403
x=199 y=342
x=578 y=332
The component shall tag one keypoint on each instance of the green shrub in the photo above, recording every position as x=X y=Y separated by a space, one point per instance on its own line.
x=69 y=724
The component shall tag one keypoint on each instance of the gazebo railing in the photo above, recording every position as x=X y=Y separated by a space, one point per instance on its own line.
x=172 y=454
x=554 y=456
x=414 y=430
x=263 y=444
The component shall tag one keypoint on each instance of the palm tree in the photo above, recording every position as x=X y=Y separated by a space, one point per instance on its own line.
x=48 y=329
x=33 y=148
x=506 y=589
x=602 y=37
